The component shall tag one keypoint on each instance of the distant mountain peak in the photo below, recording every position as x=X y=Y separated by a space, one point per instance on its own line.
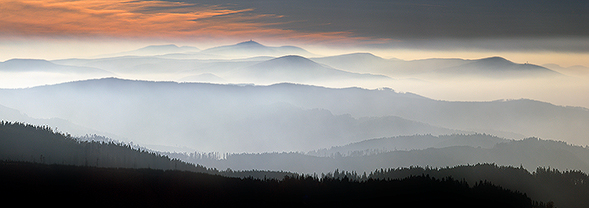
x=294 y=59
x=27 y=62
x=495 y=59
x=250 y=43
x=162 y=46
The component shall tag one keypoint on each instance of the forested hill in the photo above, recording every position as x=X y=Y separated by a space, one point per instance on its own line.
x=24 y=142
x=82 y=186
x=108 y=173
x=60 y=158
x=40 y=144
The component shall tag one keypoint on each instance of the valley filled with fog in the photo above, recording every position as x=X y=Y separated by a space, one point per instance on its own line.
x=264 y=113
x=249 y=98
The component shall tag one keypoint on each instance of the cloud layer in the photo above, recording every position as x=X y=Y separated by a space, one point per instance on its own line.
x=399 y=23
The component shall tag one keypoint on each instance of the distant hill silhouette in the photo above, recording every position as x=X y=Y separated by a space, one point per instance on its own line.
x=40 y=65
x=491 y=67
x=154 y=50
x=142 y=111
x=299 y=69
x=134 y=64
x=413 y=142
x=206 y=77
x=9 y=114
x=497 y=67
x=360 y=63
x=577 y=70
x=252 y=48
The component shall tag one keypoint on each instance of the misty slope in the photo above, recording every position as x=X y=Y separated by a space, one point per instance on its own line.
x=167 y=114
x=413 y=142
x=134 y=64
x=153 y=50
x=21 y=73
x=529 y=153
x=39 y=65
x=497 y=67
x=298 y=69
x=581 y=71
x=12 y=115
x=252 y=48
x=204 y=77
x=359 y=62
x=491 y=67
x=210 y=117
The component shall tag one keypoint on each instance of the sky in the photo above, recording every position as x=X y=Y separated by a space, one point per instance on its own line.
x=545 y=31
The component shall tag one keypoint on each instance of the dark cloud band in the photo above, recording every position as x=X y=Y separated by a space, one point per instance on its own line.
x=410 y=19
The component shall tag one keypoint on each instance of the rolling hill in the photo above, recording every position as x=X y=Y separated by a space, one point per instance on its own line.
x=281 y=117
x=252 y=49
x=497 y=67
x=490 y=67
x=153 y=50
x=298 y=69
x=39 y=65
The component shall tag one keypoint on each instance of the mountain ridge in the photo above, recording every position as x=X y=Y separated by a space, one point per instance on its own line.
x=252 y=48
x=144 y=109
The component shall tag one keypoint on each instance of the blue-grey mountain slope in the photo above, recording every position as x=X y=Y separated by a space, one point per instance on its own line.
x=57 y=124
x=491 y=67
x=577 y=70
x=39 y=65
x=154 y=50
x=299 y=69
x=359 y=62
x=497 y=67
x=252 y=49
x=280 y=117
x=529 y=153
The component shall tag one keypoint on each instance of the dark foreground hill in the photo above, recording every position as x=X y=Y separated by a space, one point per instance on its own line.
x=87 y=186
x=36 y=161
x=27 y=143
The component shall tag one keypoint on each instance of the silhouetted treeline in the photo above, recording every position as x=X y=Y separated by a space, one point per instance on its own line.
x=567 y=189
x=41 y=144
x=90 y=186
x=24 y=142
x=529 y=153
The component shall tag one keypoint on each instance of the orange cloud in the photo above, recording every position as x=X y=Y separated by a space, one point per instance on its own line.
x=143 y=19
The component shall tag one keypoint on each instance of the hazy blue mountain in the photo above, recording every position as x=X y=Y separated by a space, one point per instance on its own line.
x=252 y=48
x=530 y=153
x=134 y=64
x=577 y=70
x=491 y=67
x=39 y=65
x=413 y=142
x=298 y=69
x=61 y=125
x=497 y=67
x=153 y=50
x=205 y=77
x=227 y=118
x=360 y=62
